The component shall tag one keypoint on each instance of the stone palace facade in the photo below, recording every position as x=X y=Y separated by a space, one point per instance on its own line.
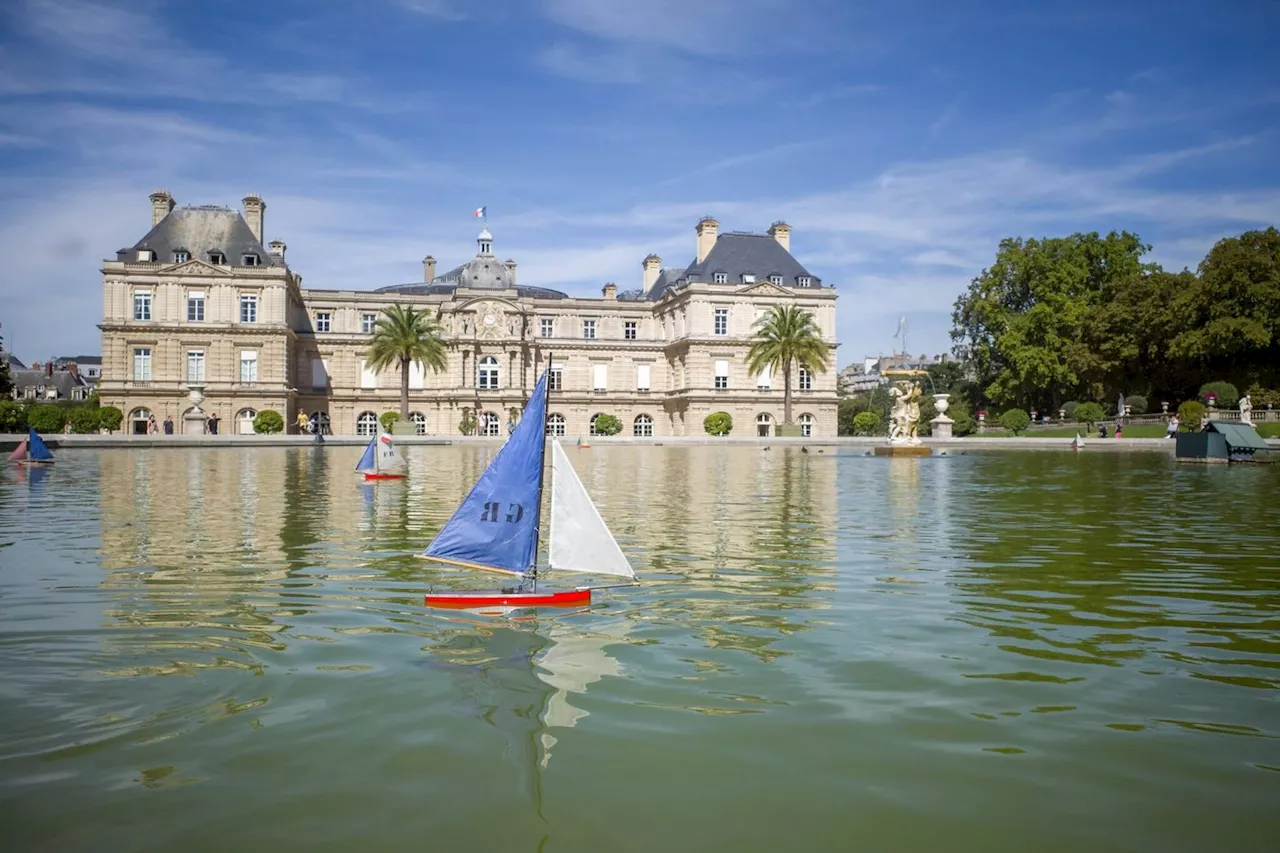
x=202 y=300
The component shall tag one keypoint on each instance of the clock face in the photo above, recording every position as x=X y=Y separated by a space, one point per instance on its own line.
x=489 y=319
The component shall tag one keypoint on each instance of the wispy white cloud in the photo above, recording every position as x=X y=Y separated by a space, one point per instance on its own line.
x=438 y=9
x=1120 y=97
x=944 y=118
x=841 y=93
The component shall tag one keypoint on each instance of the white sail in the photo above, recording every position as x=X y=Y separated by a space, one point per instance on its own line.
x=389 y=459
x=580 y=540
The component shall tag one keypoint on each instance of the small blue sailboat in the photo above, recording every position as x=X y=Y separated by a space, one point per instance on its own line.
x=32 y=450
x=498 y=524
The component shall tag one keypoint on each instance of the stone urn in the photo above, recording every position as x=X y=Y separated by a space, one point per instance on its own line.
x=193 y=422
x=195 y=395
x=941 y=424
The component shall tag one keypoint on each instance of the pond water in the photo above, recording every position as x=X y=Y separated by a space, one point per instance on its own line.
x=211 y=649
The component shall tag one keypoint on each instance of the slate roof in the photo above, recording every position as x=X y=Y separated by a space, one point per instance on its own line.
x=15 y=363
x=199 y=230
x=442 y=286
x=735 y=253
x=61 y=379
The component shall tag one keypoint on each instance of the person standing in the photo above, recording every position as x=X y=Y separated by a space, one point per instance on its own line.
x=168 y=424
x=302 y=422
x=213 y=423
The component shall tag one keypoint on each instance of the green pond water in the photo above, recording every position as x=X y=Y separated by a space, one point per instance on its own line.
x=227 y=649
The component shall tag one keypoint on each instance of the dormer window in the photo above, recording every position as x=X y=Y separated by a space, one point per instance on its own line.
x=775 y=279
x=748 y=278
x=249 y=259
x=803 y=281
x=144 y=256
x=720 y=278
x=217 y=258
x=181 y=256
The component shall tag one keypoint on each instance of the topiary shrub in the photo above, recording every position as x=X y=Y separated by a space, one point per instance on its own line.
x=110 y=418
x=268 y=422
x=607 y=425
x=1137 y=404
x=1070 y=408
x=1190 y=414
x=1225 y=394
x=13 y=417
x=388 y=420
x=1015 y=420
x=718 y=423
x=866 y=423
x=467 y=426
x=85 y=420
x=46 y=418
x=1088 y=413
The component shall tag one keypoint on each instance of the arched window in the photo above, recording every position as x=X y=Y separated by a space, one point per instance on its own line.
x=138 y=420
x=419 y=422
x=244 y=421
x=555 y=425
x=487 y=373
x=489 y=423
x=643 y=427
x=591 y=429
x=806 y=426
x=367 y=424
x=764 y=425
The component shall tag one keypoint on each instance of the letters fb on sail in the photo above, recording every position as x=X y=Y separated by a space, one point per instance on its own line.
x=496 y=526
x=580 y=540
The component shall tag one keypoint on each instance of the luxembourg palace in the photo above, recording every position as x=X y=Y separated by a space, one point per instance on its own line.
x=202 y=301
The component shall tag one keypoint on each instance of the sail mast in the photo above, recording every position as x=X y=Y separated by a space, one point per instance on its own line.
x=542 y=474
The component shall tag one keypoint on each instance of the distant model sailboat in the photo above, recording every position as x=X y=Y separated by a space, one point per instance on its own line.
x=381 y=460
x=32 y=450
x=1077 y=443
x=498 y=524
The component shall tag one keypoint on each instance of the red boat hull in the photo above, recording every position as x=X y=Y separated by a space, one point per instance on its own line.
x=498 y=598
x=384 y=476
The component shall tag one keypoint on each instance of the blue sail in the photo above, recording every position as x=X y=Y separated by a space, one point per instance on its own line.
x=367 y=462
x=496 y=527
x=37 y=450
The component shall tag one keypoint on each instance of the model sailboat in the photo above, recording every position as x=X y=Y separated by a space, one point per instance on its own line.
x=1077 y=443
x=32 y=450
x=498 y=524
x=381 y=460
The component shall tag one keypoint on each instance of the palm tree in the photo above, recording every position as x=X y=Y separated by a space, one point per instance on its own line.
x=785 y=335
x=404 y=336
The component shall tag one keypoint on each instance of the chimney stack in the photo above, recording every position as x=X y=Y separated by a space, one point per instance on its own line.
x=254 y=212
x=48 y=369
x=511 y=272
x=277 y=249
x=781 y=232
x=161 y=205
x=707 y=230
x=652 y=269
x=610 y=291
x=73 y=369
x=428 y=269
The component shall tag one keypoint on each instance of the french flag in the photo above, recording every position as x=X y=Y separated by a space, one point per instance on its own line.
x=479 y=213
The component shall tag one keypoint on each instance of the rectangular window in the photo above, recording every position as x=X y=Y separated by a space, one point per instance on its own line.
x=748 y=278
x=248 y=366
x=722 y=374
x=181 y=257
x=248 y=259
x=806 y=380
x=764 y=379
x=217 y=258
x=555 y=382
x=195 y=307
x=722 y=321
x=368 y=377
x=803 y=281
x=548 y=327
x=642 y=377
x=195 y=366
x=319 y=373
x=248 y=308
x=142 y=364
x=367 y=323
x=600 y=377
x=721 y=278
x=589 y=330
x=323 y=321
x=775 y=279
x=142 y=305
x=629 y=328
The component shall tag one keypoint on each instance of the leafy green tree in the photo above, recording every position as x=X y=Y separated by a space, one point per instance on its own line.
x=784 y=336
x=1190 y=415
x=1021 y=326
x=13 y=416
x=85 y=420
x=846 y=410
x=110 y=418
x=1088 y=413
x=1224 y=393
x=467 y=426
x=403 y=336
x=388 y=420
x=1137 y=404
x=607 y=425
x=718 y=423
x=865 y=423
x=268 y=422
x=962 y=413
x=6 y=379
x=46 y=418
x=1015 y=420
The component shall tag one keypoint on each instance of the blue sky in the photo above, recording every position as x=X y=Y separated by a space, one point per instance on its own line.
x=901 y=140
